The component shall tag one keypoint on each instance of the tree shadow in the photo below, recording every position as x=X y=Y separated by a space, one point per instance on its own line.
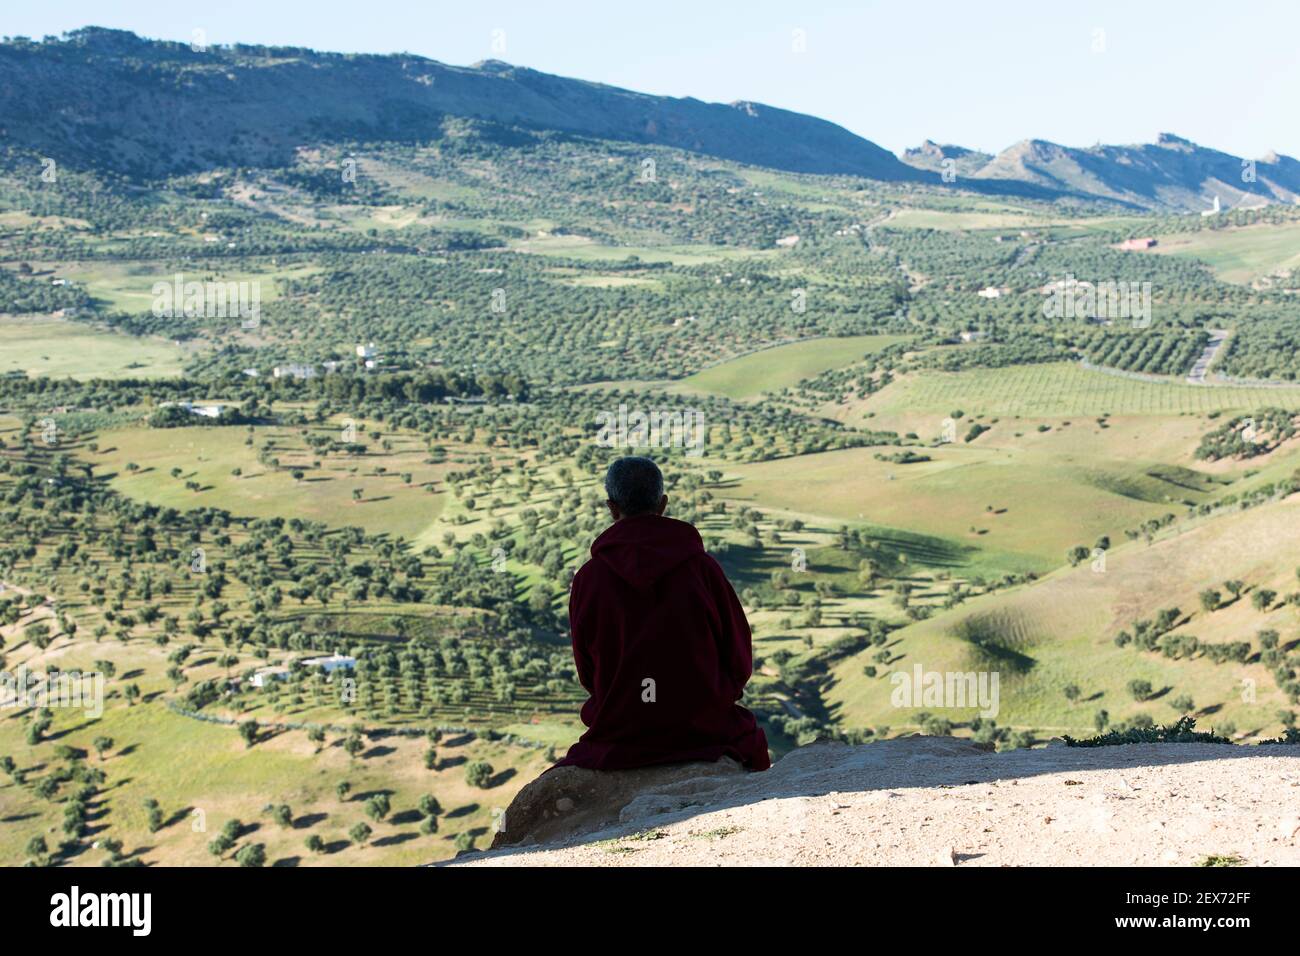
x=500 y=778
x=178 y=816
x=394 y=840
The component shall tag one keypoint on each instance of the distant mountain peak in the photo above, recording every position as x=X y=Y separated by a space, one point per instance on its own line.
x=933 y=156
x=107 y=39
x=930 y=148
x=1170 y=140
x=1173 y=172
x=492 y=66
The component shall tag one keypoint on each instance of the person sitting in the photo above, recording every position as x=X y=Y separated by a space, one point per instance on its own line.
x=660 y=640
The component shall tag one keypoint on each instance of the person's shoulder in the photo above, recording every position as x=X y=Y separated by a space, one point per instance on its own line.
x=590 y=567
x=708 y=564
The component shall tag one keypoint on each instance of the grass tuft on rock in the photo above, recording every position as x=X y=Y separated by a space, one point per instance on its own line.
x=1182 y=732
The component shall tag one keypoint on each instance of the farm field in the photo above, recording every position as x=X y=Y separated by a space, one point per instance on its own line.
x=772 y=369
x=63 y=348
x=1242 y=254
x=983 y=498
x=1062 y=628
x=1059 y=389
x=237 y=782
x=388 y=503
x=128 y=286
x=586 y=250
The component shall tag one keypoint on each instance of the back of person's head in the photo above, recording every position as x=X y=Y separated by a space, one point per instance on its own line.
x=635 y=486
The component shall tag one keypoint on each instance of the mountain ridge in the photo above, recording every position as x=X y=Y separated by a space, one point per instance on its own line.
x=254 y=105
x=1172 y=172
x=107 y=99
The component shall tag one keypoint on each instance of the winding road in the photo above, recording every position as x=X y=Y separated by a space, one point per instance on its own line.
x=1197 y=375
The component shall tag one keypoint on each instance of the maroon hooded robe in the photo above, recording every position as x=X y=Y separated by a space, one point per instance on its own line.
x=652 y=606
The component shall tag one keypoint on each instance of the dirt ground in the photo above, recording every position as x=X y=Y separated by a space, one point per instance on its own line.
x=943 y=802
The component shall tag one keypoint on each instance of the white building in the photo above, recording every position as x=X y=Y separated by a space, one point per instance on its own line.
x=207 y=411
x=366 y=351
x=271 y=673
x=331 y=663
x=294 y=371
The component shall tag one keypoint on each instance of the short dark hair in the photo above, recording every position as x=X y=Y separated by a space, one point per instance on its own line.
x=635 y=485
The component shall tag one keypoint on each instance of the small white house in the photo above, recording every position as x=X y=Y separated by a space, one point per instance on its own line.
x=207 y=411
x=788 y=242
x=270 y=673
x=294 y=371
x=366 y=351
x=331 y=663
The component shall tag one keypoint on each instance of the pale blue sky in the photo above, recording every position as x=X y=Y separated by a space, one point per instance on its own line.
x=981 y=74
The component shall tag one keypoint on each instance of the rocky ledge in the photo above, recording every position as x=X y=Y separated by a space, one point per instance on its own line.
x=918 y=801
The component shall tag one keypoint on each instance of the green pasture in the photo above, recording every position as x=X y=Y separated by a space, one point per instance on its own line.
x=208 y=456
x=784 y=366
x=1059 y=631
x=61 y=348
x=1241 y=254
x=1062 y=389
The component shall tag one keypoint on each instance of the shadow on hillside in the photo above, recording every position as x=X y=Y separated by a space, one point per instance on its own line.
x=821 y=769
x=395 y=839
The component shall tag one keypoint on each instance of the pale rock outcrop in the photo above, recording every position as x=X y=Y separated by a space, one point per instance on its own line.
x=917 y=800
